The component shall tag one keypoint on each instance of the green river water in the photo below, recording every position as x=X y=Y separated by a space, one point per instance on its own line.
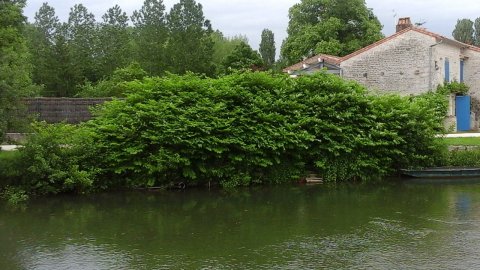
x=400 y=225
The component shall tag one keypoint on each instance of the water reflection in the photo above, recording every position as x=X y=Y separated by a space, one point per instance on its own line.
x=74 y=256
x=346 y=227
x=463 y=205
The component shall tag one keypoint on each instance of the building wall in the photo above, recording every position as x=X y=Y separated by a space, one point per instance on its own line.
x=411 y=63
x=441 y=52
x=472 y=72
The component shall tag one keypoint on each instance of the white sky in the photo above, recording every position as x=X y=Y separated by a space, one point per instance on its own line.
x=250 y=17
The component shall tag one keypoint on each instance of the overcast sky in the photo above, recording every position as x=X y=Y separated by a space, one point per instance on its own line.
x=250 y=17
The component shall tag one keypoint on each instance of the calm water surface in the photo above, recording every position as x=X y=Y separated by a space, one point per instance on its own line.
x=409 y=225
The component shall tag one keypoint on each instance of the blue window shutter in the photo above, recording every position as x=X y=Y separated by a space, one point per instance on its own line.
x=447 y=70
x=462 y=64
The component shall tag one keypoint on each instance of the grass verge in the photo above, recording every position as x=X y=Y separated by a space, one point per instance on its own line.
x=469 y=141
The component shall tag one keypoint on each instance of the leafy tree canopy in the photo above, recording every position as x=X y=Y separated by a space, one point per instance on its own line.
x=223 y=46
x=476 y=27
x=464 y=31
x=336 y=27
x=190 y=46
x=15 y=68
x=114 y=86
x=151 y=32
x=267 y=47
x=115 y=47
x=243 y=57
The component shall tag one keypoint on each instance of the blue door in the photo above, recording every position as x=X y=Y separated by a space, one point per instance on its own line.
x=461 y=70
x=462 y=110
x=447 y=70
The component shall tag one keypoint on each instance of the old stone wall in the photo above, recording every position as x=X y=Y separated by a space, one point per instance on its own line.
x=55 y=110
x=472 y=72
x=411 y=63
x=441 y=53
x=399 y=65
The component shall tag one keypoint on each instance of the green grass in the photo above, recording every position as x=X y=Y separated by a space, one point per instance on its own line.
x=462 y=141
x=7 y=155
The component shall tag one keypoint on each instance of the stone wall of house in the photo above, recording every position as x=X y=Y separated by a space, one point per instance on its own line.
x=399 y=65
x=440 y=53
x=472 y=72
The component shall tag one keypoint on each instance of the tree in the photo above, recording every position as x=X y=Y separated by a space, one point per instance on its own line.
x=190 y=46
x=336 y=27
x=82 y=45
x=67 y=76
x=15 y=77
x=464 y=31
x=115 y=46
x=55 y=48
x=114 y=85
x=267 y=48
x=150 y=36
x=476 y=27
x=223 y=47
x=42 y=39
x=243 y=57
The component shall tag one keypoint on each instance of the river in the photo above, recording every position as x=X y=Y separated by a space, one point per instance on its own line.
x=399 y=225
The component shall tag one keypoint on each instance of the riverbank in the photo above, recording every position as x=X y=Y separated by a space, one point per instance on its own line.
x=243 y=129
x=469 y=139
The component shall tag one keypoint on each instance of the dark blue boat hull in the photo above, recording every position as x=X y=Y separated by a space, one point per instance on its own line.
x=442 y=172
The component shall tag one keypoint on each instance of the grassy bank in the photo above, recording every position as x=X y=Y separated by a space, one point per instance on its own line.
x=460 y=158
x=470 y=141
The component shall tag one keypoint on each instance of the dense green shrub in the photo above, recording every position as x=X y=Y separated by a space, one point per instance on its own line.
x=453 y=87
x=408 y=129
x=436 y=101
x=115 y=85
x=459 y=158
x=196 y=130
x=14 y=195
x=10 y=168
x=53 y=159
x=240 y=129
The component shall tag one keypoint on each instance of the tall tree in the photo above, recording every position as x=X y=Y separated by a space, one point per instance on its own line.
x=464 y=31
x=336 y=27
x=190 y=46
x=151 y=36
x=15 y=80
x=223 y=47
x=115 y=45
x=42 y=40
x=243 y=57
x=476 y=27
x=267 y=47
x=83 y=44
x=68 y=76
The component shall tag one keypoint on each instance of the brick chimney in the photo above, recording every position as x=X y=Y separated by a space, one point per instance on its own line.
x=403 y=23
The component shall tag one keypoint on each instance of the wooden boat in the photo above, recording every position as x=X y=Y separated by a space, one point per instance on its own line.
x=442 y=172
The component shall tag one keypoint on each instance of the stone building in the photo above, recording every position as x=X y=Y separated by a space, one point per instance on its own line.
x=411 y=61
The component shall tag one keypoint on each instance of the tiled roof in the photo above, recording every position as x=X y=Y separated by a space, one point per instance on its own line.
x=440 y=37
x=337 y=60
x=334 y=60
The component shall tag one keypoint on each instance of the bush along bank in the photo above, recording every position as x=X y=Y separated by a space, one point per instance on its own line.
x=237 y=130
